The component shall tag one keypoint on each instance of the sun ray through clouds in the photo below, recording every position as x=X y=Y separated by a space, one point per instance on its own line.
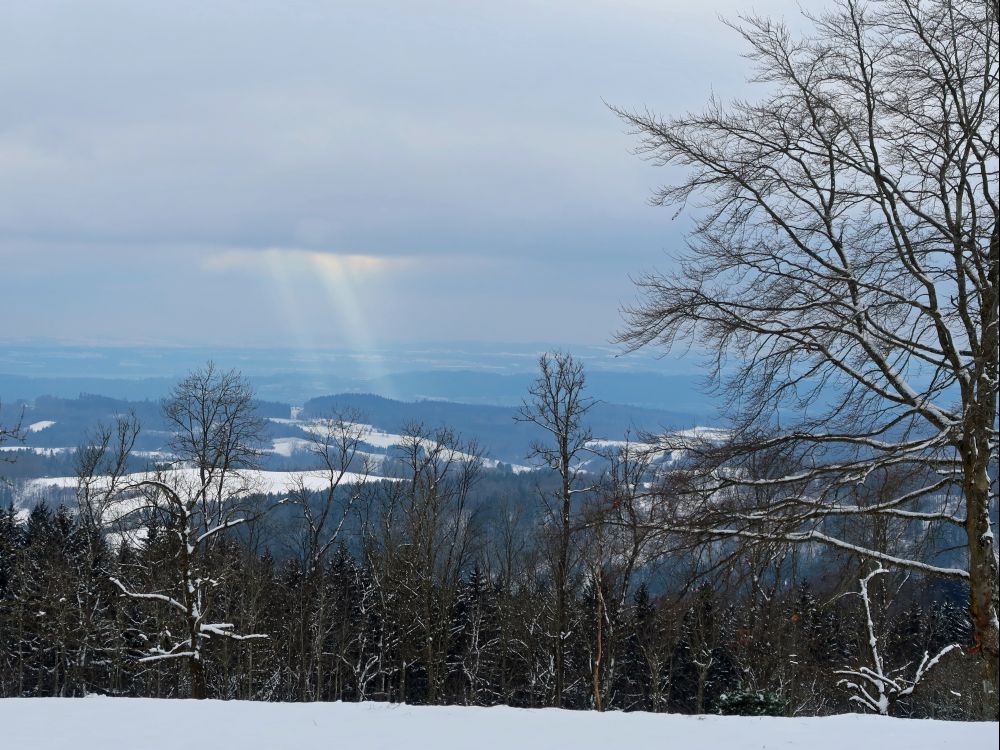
x=321 y=296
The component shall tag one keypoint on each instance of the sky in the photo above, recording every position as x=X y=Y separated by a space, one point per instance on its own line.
x=316 y=174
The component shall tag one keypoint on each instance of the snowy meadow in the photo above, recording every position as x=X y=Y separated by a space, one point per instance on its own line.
x=148 y=724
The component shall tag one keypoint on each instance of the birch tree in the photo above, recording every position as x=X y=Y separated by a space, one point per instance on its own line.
x=842 y=279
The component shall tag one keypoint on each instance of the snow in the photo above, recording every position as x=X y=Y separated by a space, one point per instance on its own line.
x=132 y=537
x=36 y=450
x=101 y=723
x=708 y=434
x=601 y=443
x=155 y=455
x=369 y=435
x=39 y=426
x=290 y=446
x=287 y=446
x=242 y=482
x=671 y=446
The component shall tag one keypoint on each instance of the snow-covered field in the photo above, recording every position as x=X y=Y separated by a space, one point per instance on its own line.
x=382 y=440
x=146 y=724
x=242 y=482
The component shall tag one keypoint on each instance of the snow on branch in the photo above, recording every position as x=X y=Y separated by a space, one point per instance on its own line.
x=156 y=597
x=875 y=688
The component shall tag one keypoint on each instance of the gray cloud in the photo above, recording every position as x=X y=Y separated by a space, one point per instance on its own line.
x=140 y=139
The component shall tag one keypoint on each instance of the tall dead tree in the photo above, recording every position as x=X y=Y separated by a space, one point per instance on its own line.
x=558 y=405
x=843 y=272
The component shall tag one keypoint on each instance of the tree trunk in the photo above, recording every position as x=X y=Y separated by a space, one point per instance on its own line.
x=562 y=574
x=980 y=418
x=598 y=644
x=983 y=577
x=702 y=669
x=199 y=689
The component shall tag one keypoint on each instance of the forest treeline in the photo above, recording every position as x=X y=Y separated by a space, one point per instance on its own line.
x=380 y=626
x=427 y=584
x=839 y=284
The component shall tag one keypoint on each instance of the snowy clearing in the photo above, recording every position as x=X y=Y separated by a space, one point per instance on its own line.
x=148 y=724
x=374 y=437
x=36 y=450
x=288 y=446
x=671 y=448
x=241 y=482
x=39 y=426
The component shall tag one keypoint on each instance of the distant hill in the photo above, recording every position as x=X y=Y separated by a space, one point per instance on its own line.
x=676 y=395
x=496 y=374
x=59 y=424
x=494 y=426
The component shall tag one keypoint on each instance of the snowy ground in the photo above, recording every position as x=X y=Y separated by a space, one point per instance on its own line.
x=240 y=483
x=145 y=724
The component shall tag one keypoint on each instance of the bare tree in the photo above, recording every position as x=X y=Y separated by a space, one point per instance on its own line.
x=440 y=530
x=558 y=405
x=336 y=445
x=217 y=435
x=102 y=465
x=325 y=498
x=508 y=559
x=618 y=526
x=843 y=267
x=216 y=431
x=658 y=630
x=419 y=535
x=703 y=632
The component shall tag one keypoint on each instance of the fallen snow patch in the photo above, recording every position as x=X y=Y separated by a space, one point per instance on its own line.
x=149 y=724
x=39 y=426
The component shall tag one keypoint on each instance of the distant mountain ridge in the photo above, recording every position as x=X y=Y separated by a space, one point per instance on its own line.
x=64 y=423
x=494 y=374
x=680 y=395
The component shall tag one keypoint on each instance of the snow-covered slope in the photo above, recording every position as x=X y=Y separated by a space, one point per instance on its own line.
x=374 y=437
x=240 y=482
x=146 y=724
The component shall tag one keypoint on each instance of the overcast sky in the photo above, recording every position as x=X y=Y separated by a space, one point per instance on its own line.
x=337 y=173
